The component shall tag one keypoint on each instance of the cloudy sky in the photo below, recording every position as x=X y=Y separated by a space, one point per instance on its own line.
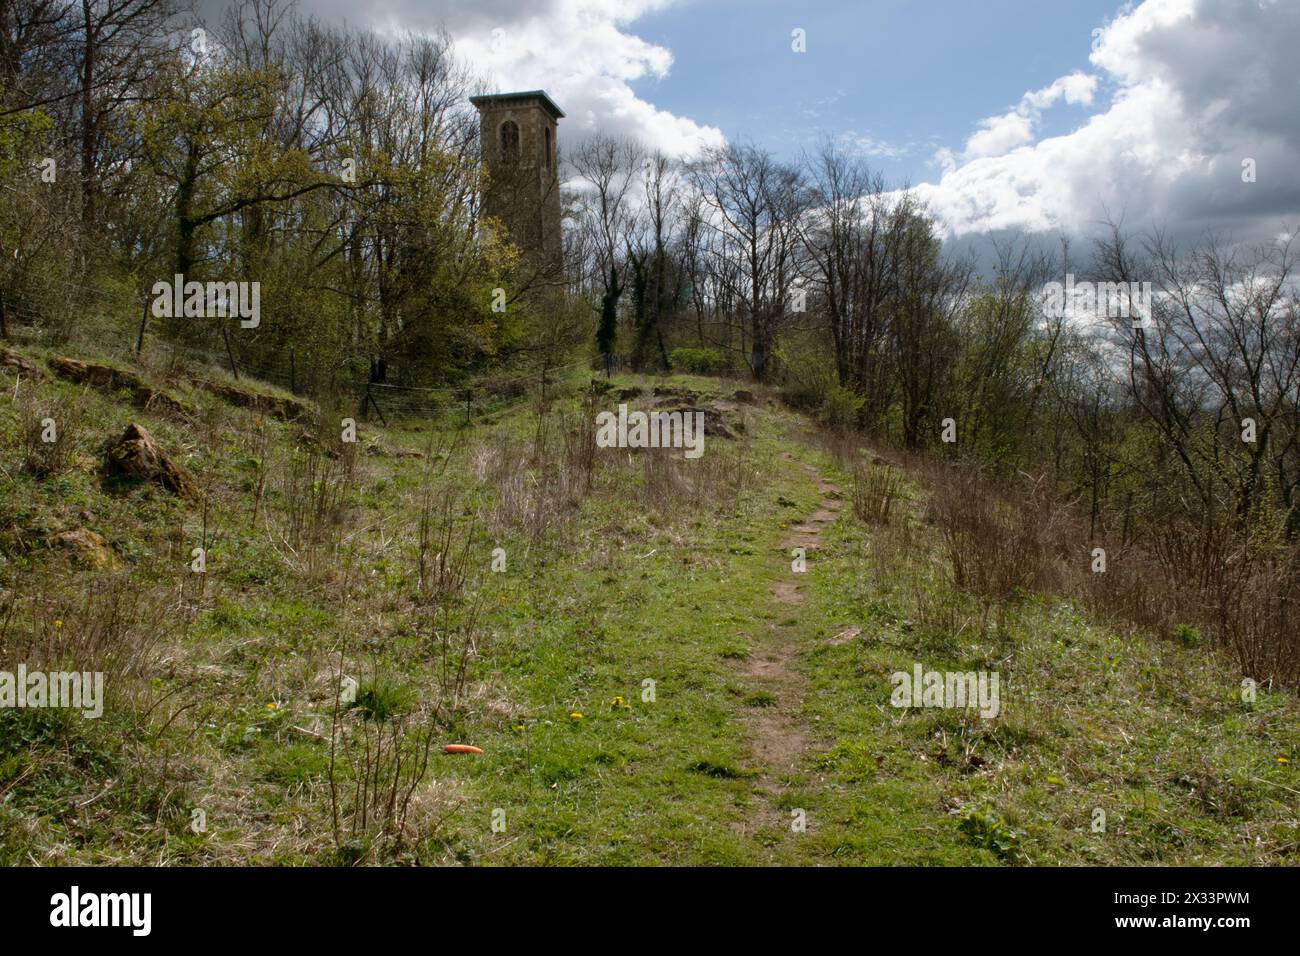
x=1004 y=114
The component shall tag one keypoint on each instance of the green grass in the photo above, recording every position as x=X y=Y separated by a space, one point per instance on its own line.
x=609 y=686
x=1152 y=733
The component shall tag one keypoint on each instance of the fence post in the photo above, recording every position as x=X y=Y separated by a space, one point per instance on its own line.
x=144 y=317
x=379 y=411
x=225 y=335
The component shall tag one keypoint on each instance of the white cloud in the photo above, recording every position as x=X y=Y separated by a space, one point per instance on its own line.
x=865 y=145
x=581 y=53
x=1077 y=88
x=998 y=135
x=1195 y=87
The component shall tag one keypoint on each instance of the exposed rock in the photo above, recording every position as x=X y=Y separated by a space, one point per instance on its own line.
x=83 y=463
x=86 y=546
x=377 y=449
x=282 y=407
x=672 y=391
x=623 y=394
x=16 y=359
x=844 y=636
x=103 y=377
x=106 y=378
x=742 y=395
x=138 y=455
x=155 y=400
x=714 y=425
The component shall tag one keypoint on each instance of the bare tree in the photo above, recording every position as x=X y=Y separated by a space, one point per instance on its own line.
x=605 y=169
x=1216 y=367
x=752 y=203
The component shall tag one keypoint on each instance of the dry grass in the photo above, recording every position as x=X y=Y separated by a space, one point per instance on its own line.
x=876 y=490
x=1172 y=580
x=48 y=431
x=997 y=547
x=314 y=490
x=72 y=620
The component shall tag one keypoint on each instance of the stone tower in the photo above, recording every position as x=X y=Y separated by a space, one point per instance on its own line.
x=518 y=132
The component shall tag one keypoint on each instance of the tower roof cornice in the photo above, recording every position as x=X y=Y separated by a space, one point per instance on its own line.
x=525 y=96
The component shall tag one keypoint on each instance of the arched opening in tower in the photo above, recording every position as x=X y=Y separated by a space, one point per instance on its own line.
x=509 y=142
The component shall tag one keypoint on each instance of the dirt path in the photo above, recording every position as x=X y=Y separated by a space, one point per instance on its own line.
x=780 y=736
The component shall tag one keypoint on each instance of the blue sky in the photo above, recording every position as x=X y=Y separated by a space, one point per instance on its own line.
x=911 y=75
x=1038 y=116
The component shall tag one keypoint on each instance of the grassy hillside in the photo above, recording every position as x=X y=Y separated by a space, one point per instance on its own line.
x=649 y=679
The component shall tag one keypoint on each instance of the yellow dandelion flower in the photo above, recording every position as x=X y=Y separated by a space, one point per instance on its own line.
x=58 y=622
x=271 y=706
x=1283 y=760
x=575 y=716
x=617 y=701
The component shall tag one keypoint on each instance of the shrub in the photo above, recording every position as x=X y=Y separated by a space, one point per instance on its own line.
x=841 y=407
x=699 y=361
x=997 y=544
x=875 y=489
x=806 y=373
x=48 y=432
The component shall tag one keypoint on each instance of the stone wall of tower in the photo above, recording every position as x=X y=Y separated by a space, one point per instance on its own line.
x=524 y=192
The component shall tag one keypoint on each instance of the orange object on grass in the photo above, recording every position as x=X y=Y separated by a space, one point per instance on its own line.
x=461 y=749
